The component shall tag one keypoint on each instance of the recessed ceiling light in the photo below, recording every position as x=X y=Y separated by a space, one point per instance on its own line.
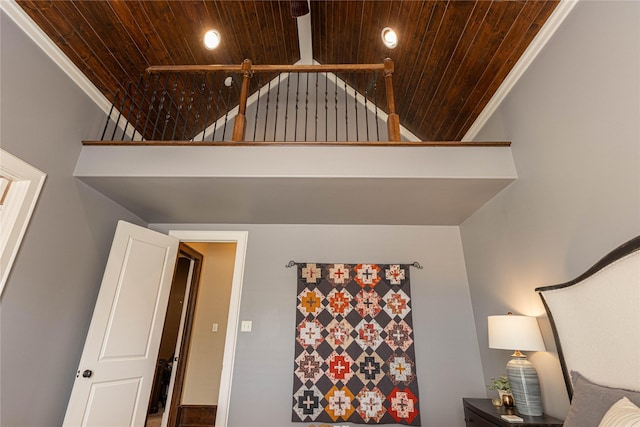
x=389 y=37
x=211 y=39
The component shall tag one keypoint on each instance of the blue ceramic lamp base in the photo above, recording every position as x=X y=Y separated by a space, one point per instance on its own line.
x=525 y=386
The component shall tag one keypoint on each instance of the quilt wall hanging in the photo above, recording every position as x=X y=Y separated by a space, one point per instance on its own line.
x=354 y=352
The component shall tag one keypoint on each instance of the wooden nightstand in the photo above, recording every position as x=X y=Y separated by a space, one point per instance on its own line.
x=482 y=413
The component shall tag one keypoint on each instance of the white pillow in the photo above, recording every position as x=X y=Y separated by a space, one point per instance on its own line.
x=623 y=413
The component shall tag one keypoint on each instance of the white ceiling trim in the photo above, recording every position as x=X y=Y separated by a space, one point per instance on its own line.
x=544 y=35
x=20 y=17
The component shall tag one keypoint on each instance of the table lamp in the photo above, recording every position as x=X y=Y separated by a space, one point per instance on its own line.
x=509 y=332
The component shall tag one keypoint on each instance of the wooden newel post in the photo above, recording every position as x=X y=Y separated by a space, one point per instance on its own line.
x=241 y=120
x=393 y=121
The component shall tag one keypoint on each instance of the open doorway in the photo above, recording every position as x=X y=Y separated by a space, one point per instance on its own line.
x=176 y=334
x=212 y=331
x=195 y=400
x=187 y=381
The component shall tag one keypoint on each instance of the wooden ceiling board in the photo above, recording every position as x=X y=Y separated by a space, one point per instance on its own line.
x=451 y=58
x=64 y=36
x=446 y=41
x=498 y=69
x=428 y=21
x=477 y=45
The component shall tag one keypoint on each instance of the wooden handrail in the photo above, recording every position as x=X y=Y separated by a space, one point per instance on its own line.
x=299 y=143
x=247 y=70
x=320 y=68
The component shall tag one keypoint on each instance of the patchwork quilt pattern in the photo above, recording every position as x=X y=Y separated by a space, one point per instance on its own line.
x=354 y=353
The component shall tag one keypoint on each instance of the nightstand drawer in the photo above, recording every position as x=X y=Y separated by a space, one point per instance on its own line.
x=474 y=420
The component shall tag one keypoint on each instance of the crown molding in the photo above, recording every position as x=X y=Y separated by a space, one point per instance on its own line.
x=544 y=35
x=26 y=24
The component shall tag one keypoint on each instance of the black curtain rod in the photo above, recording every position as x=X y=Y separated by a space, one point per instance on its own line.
x=292 y=263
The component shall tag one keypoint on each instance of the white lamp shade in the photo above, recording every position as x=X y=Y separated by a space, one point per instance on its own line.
x=511 y=332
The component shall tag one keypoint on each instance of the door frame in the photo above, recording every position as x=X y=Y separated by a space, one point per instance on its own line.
x=184 y=333
x=240 y=239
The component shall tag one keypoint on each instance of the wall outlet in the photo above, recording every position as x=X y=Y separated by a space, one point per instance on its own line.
x=245 y=326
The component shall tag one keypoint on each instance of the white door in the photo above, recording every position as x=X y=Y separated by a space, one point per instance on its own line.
x=116 y=370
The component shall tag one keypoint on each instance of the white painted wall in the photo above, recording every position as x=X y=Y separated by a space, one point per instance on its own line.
x=573 y=120
x=447 y=358
x=49 y=297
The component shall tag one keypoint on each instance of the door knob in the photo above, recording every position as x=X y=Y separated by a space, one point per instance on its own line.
x=87 y=373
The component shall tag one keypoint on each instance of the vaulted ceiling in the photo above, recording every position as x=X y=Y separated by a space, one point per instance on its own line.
x=451 y=58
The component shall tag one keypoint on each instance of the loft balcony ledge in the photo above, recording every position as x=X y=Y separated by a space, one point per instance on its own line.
x=272 y=183
x=403 y=143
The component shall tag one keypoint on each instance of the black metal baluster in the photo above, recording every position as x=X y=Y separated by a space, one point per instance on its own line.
x=315 y=128
x=131 y=105
x=306 y=108
x=266 y=115
x=151 y=101
x=366 y=110
x=201 y=89
x=275 y=125
x=335 y=103
x=205 y=122
x=215 y=123
x=355 y=104
x=167 y=116
x=346 y=109
x=375 y=97
x=189 y=105
x=141 y=107
x=255 y=120
x=160 y=108
x=286 y=107
x=106 y=125
x=124 y=98
x=295 y=129
x=179 y=106
x=326 y=107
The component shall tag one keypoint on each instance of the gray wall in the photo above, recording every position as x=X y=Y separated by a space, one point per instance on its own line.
x=573 y=120
x=48 y=300
x=447 y=359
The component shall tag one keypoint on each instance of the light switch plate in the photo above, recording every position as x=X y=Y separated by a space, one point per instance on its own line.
x=214 y=327
x=245 y=326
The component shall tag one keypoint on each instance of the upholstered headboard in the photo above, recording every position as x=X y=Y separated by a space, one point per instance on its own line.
x=596 y=320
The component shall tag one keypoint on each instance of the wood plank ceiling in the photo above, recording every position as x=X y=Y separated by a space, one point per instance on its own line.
x=451 y=57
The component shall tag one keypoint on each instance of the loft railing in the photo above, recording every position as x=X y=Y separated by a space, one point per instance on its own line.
x=238 y=103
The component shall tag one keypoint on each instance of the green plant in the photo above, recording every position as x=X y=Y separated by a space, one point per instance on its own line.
x=502 y=384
